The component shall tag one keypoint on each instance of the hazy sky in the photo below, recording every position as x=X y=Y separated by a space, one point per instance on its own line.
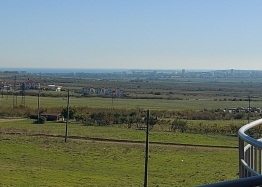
x=131 y=34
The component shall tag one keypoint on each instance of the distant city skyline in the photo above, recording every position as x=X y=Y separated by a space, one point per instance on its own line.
x=75 y=70
x=165 y=35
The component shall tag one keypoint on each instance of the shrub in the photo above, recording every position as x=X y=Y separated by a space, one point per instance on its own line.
x=239 y=116
x=42 y=120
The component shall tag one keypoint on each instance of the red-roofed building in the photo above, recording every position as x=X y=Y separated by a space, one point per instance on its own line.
x=5 y=85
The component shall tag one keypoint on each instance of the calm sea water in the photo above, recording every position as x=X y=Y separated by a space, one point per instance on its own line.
x=58 y=70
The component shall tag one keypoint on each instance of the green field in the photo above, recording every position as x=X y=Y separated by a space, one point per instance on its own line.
x=117 y=132
x=39 y=161
x=152 y=104
x=29 y=159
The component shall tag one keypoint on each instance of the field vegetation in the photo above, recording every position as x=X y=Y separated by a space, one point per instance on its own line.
x=116 y=132
x=193 y=132
x=35 y=161
x=152 y=104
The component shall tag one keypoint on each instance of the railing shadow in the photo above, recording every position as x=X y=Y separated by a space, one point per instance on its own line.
x=254 y=181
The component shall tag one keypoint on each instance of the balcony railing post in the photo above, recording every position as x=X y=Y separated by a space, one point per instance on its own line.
x=255 y=158
x=259 y=161
x=252 y=157
x=241 y=156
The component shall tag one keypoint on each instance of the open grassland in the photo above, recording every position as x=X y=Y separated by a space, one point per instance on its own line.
x=117 y=132
x=219 y=122
x=238 y=123
x=40 y=161
x=152 y=104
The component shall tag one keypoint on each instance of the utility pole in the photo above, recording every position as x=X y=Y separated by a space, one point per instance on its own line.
x=67 y=117
x=248 y=108
x=147 y=149
x=15 y=99
x=23 y=94
x=14 y=90
x=38 y=104
x=112 y=102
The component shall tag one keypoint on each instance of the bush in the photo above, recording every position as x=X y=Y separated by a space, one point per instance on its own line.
x=239 y=116
x=42 y=120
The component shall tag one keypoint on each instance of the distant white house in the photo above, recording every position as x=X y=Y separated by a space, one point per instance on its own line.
x=53 y=87
x=93 y=91
x=103 y=91
x=118 y=92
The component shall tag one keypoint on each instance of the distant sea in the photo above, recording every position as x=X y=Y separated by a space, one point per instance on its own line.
x=67 y=70
x=64 y=70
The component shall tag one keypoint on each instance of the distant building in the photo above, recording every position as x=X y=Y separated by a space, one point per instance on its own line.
x=93 y=91
x=85 y=90
x=103 y=91
x=5 y=86
x=53 y=87
x=183 y=71
x=29 y=85
x=11 y=72
x=118 y=92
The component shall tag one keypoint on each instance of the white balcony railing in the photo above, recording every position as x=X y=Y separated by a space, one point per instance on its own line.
x=250 y=159
x=250 y=152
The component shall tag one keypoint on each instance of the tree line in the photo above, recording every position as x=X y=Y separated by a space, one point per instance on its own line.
x=176 y=120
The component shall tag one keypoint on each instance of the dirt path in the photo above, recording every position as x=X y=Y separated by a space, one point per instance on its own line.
x=120 y=141
x=113 y=141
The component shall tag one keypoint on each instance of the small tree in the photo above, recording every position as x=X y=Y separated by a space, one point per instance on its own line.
x=179 y=124
x=42 y=120
x=72 y=113
x=239 y=116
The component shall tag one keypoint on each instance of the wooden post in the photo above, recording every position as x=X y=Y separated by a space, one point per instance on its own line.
x=67 y=118
x=147 y=150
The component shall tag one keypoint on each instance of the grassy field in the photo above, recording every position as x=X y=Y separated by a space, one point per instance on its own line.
x=47 y=161
x=117 y=132
x=29 y=159
x=152 y=104
x=238 y=123
x=38 y=161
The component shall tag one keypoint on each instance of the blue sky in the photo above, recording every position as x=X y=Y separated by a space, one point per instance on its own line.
x=137 y=34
